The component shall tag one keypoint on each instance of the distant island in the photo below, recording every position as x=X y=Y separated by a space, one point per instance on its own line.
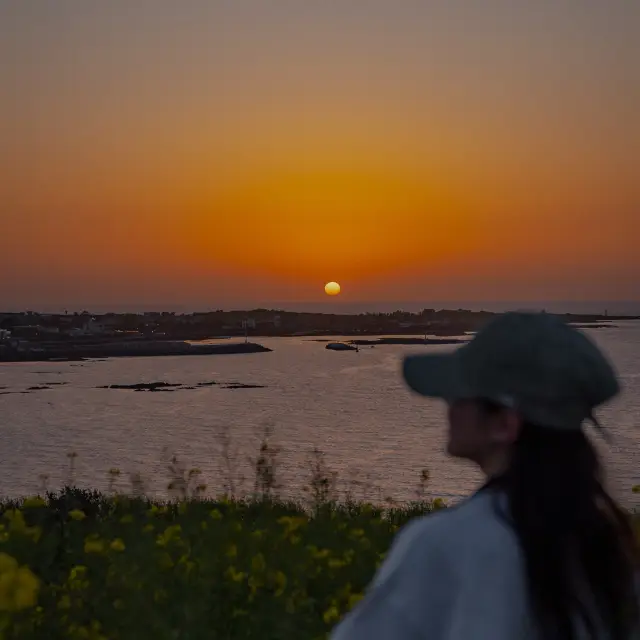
x=30 y=335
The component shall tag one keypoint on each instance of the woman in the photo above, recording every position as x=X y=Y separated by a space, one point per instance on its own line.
x=541 y=551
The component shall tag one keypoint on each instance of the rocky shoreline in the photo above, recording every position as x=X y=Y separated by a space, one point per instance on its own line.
x=75 y=352
x=409 y=340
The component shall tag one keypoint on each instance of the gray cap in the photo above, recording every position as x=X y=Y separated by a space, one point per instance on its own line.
x=553 y=374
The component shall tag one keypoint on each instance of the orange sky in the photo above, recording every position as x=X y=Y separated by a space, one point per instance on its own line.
x=216 y=154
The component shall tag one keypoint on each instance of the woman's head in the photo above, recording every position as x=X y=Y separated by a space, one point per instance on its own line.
x=533 y=366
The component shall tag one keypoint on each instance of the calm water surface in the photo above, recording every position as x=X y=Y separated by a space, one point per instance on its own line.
x=353 y=406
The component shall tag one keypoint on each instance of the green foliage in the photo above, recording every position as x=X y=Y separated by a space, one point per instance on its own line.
x=82 y=565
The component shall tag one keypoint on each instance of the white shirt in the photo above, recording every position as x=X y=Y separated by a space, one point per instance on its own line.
x=457 y=574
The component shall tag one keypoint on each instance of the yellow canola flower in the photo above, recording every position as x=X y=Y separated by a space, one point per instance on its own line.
x=281 y=583
x=34 y=502
x=18 y=588
x=291 y=523
x=332 y=614
x=18 y=525
x=93 y=546
x=117 y=545
x=7 y=563
x=258 y=563
x=77 y=572
x=354 y=599
x=76 y=514
x=170 y=533
x=234 y=575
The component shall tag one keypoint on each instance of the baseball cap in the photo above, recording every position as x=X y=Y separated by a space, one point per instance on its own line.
x=550 y=372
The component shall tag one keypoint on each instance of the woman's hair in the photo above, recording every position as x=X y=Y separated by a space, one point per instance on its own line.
x=579 y=546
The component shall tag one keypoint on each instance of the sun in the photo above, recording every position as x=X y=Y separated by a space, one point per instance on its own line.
x=332 y=288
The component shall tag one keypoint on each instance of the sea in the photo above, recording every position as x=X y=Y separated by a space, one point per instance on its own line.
x=57 y=425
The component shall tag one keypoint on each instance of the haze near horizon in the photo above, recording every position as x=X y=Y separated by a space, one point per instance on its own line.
x=232 y=152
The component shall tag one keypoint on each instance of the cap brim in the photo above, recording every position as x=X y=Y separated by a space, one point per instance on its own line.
x=434 y=376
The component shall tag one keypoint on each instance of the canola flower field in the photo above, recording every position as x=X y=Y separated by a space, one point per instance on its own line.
x=83 y=565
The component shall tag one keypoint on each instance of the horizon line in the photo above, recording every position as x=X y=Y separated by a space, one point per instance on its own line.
x=596 y=307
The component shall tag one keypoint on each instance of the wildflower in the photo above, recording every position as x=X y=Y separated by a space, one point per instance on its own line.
x=281 y=583
x=7 y=563
x=93 y=546
x=215 y=514
x=292 y=524
x=319 y=554
x=439 y=503
x=117 y=545
x=255 y=583
x=349 y=554
x=169 y=534
x=34 y=502
x=18 y=525
x=258 y=563
x=354 y=599
x=76 y=514
x=332 y=614
x=18 y=588
x=77 y=572
x=234 y=575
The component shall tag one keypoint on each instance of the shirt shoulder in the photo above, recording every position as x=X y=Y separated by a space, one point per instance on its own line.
x=449 y=574
x=464 y=535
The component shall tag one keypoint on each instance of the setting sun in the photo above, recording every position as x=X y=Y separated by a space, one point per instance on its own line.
x=332 y=288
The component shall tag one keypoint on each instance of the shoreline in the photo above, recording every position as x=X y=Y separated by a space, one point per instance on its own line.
x=155 y=348
x=394 y=341
x=78 y=350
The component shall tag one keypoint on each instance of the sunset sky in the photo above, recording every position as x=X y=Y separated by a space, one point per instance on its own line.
x=227 y=152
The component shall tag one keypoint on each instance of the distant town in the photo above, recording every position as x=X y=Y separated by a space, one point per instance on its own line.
x=31 y=335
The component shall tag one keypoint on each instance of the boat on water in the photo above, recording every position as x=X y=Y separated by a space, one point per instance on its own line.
x=341 y=346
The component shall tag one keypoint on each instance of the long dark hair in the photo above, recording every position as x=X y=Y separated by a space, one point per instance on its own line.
x=579 y=547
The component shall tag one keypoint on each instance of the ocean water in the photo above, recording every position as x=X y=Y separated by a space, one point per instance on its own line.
x=354 y=407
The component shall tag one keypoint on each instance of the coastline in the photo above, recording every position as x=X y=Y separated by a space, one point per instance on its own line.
x=152 y=348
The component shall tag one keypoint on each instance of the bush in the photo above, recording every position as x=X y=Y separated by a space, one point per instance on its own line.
x=83 y=565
